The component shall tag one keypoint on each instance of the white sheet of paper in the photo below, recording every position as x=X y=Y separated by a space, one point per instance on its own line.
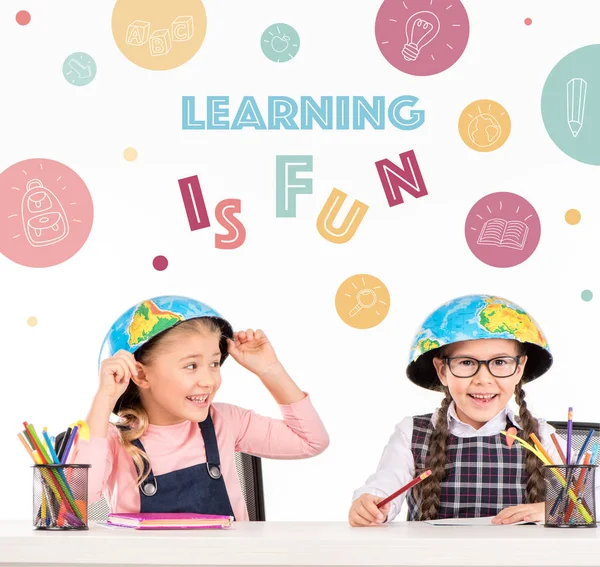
x=487 y=521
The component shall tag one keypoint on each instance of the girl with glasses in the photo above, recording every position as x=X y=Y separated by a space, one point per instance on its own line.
x=479 y=351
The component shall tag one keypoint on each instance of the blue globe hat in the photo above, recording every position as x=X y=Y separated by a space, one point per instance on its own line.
x=473 y=317
x=148 y=319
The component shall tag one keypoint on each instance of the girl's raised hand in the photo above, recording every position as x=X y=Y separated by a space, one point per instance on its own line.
x=115 y=373
x=253 y=351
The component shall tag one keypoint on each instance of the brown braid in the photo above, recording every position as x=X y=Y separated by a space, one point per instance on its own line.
x=536 y=486
x=436 y=461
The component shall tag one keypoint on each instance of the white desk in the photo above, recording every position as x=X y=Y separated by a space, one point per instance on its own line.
x=304 y=544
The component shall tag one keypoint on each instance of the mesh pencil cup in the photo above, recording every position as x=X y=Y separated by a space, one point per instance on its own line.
x=575 y=507
x=60 y=497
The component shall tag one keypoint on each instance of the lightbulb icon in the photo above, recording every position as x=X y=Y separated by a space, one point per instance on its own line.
x=421 y=29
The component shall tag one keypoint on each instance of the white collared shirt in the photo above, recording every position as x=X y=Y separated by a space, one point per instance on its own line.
x=397 y=466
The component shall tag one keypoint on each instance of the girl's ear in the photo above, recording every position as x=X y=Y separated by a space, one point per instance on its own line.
x=141 y=381
x=522 y=363
x=440 y=368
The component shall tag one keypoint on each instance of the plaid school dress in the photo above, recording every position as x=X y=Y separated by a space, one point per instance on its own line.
x=483 y=475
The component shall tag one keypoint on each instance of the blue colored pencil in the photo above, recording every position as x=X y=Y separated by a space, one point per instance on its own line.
x=584 y=447
x=594 y=454
x=63 y=442
x=569 y=474
x=53 y=454
x=68 y=446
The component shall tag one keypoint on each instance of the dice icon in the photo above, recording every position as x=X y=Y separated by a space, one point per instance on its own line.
x=160 y=42
x=182 y=28
x=137 y=32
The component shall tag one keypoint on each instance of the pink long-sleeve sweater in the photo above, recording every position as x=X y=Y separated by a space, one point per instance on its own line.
x=300 y=434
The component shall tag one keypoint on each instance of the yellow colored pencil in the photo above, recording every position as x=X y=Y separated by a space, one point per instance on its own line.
x=44 y=511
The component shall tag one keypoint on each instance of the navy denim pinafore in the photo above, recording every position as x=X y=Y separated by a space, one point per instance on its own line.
x=198 y=489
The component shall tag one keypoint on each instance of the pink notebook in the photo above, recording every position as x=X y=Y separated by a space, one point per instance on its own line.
x=169 y=521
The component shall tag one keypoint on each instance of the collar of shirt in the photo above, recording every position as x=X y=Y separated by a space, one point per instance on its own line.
x=492 y=427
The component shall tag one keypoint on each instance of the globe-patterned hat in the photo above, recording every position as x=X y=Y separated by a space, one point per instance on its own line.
x=474 y=317
x=146 y=320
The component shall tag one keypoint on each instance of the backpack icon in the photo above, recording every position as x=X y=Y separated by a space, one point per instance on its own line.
x=43 y=216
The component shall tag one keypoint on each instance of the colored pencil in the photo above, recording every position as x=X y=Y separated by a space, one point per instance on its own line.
x=63 y=443
x=569 y=435
x=26 y=445
x=558 y=448
x=541 y=449
x=65 y=454
x=50 y=447
x=578 y=485
x=584 y=447
x=406 y=487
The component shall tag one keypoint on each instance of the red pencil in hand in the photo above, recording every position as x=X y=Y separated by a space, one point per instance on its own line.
x=408 y=486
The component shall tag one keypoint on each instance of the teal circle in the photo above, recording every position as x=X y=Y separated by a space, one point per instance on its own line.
x=587 y=295
x=280 y=43
x=79 y=69
x=581 y=138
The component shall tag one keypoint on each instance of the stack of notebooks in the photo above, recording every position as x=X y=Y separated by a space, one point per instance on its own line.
x=169 y=521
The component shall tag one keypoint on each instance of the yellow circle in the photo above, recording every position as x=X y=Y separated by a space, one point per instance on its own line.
x=362 y=301
x=573 y=216
x=130 y=154
x=32 y=321
x=484 y=125
x=159 y=34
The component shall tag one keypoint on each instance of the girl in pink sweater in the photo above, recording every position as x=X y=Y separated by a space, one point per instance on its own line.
x=172 y=448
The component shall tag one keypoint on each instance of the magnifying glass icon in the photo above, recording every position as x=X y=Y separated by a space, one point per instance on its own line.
x=365 y=298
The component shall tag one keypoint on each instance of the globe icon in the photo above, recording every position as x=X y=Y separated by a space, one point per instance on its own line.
x=484 y=130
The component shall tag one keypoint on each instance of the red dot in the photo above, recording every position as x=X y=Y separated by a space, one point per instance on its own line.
x=23 y=17
x=528 y=21
x=160 y=263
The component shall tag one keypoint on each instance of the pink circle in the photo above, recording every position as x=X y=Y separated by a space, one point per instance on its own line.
x=47 y=213
x=421 y=38
x=502 y=229
x=23 y=17
x=528 y=21
x=160 y=263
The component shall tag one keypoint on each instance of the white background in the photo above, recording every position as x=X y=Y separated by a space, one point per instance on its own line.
x=284 y=278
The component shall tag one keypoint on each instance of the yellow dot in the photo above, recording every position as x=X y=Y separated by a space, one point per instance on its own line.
x=130 y=154
x=573 y=216
x=32 y=321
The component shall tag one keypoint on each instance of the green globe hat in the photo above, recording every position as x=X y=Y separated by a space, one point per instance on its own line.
x=146 y=320
x=473 y=317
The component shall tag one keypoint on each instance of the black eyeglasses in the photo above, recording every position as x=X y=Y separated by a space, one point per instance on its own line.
x=467 y=367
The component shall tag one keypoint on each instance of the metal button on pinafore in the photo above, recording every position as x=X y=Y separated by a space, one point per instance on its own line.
x=197 y=489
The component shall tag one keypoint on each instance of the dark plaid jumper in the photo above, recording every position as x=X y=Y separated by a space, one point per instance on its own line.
x=483 y=475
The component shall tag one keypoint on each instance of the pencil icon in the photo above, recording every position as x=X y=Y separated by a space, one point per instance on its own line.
x=576 y=92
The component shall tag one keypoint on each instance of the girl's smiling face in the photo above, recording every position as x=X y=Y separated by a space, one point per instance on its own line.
x=481 y=397
x=181 y=379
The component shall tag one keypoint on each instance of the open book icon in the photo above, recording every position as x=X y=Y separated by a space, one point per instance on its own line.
x=503 y=233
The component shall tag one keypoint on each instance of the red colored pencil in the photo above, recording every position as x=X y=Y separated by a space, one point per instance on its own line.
x=558 y=448
x=412 y=483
